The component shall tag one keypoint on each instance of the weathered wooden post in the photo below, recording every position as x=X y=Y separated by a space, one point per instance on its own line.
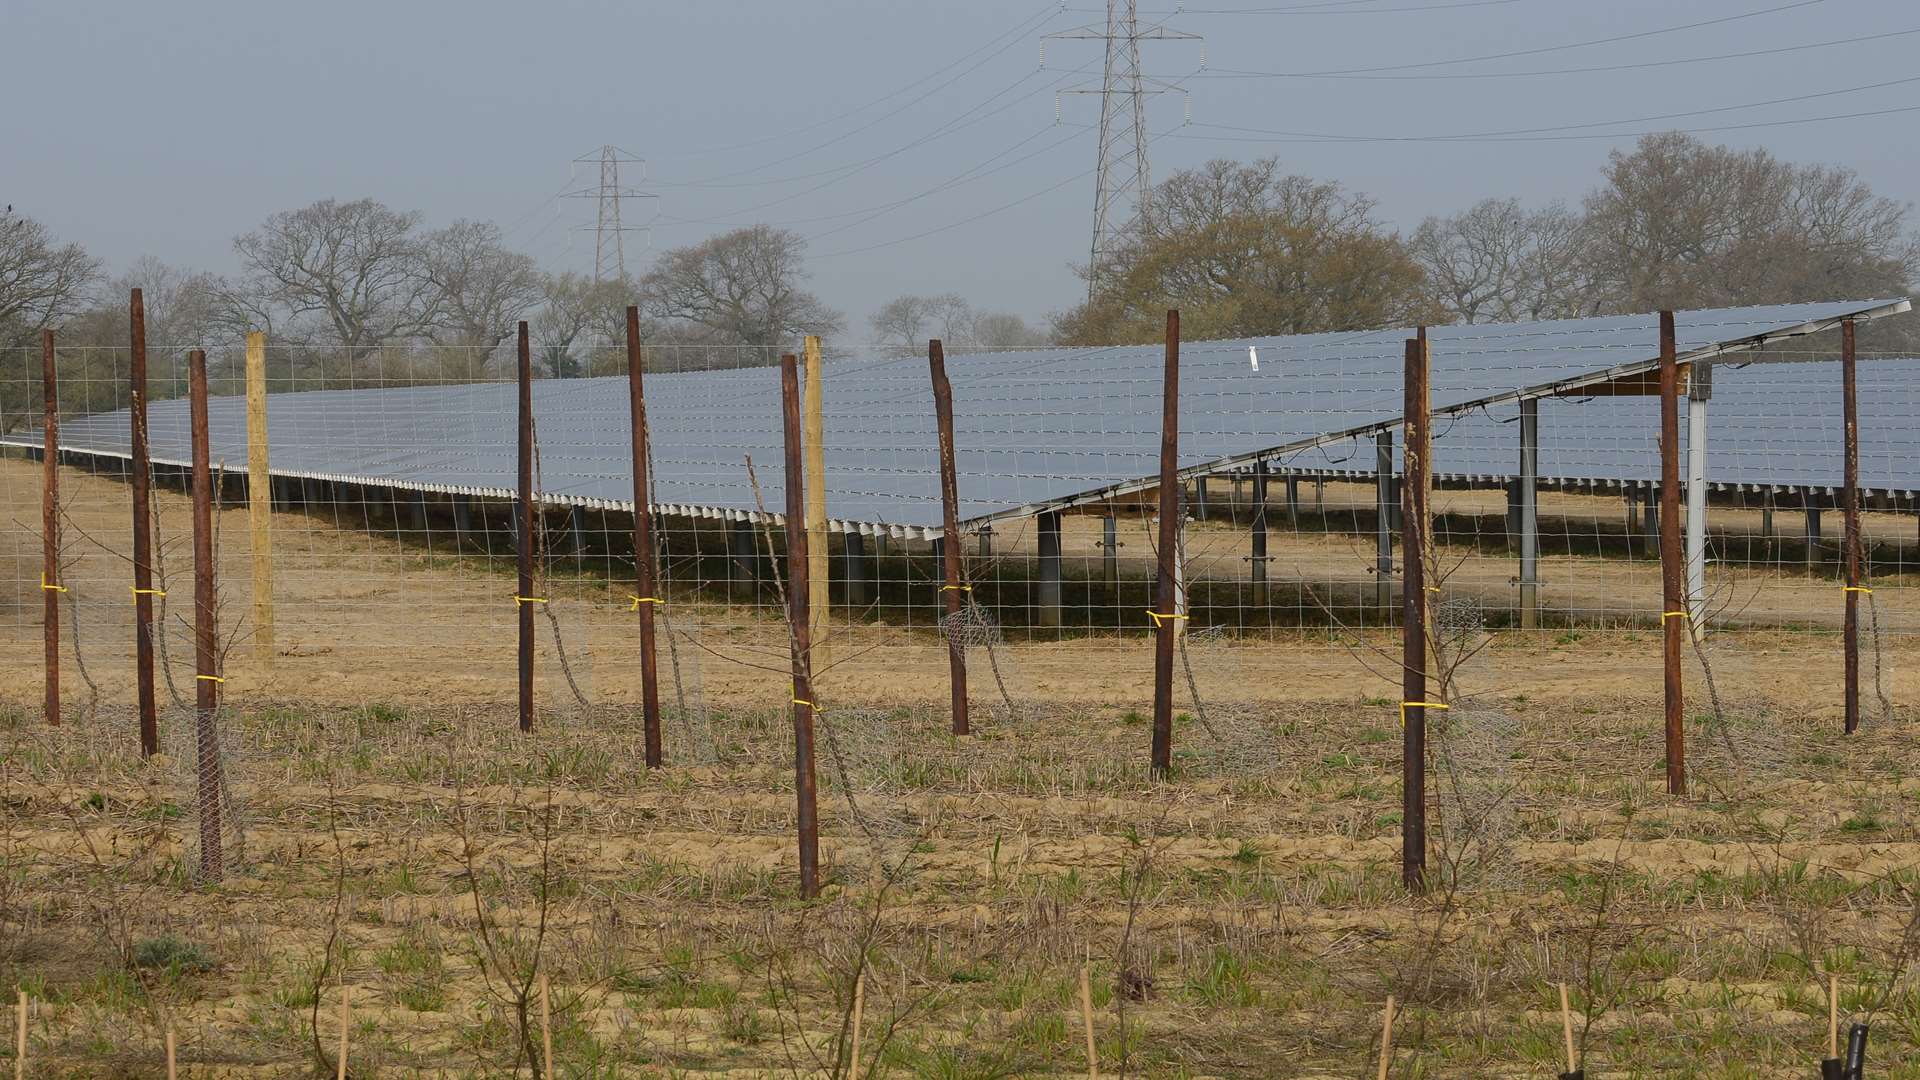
x=523 y=537
x=259 y=497
x=1166 y=604
x=1415 y=526
x=646 y=588
x=50 y=587
x=954 y=586
x=1850 y=505
x=141 y=483
x=1673 y=614
x=206 y=657
x=819 y=603
x=798 y=628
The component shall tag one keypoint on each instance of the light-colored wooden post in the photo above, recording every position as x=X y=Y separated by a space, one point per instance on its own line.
x=1386 y=1039
x=1566 y=1024
x=818 y=604
x=1833 y=1016
x=1086 y=1020
x=346 y=1025
x=546 y=1027
x=259 y=497
x=859 y=1007
x=20 y=1040
x=172 y=1070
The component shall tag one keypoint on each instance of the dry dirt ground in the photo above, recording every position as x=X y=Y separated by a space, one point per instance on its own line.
x=404 y=844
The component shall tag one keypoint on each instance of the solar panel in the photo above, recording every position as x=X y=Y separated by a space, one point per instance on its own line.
x=1041 y=428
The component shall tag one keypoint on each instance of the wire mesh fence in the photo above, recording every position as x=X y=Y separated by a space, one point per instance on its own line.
x=384 y=563
x=369 y=607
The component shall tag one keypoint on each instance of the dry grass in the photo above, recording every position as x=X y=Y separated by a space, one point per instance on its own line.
x=1260 y=903
x=1243 y=919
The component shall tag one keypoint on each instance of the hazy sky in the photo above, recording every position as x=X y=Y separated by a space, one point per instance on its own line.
x=165 y=129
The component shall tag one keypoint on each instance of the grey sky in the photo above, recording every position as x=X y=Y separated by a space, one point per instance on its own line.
x=165 y=129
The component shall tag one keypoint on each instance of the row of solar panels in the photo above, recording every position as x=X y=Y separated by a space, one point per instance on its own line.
x=1045 y=428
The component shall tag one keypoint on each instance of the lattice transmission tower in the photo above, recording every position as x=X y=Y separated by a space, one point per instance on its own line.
x=609 y=234
x=1124 y=170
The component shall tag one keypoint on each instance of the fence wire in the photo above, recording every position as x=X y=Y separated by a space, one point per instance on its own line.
x=390 y=541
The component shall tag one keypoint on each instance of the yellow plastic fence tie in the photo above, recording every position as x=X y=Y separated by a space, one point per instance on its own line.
x=138 y=591
x=956 y=588
x=1856 y=588
x=808 y=704
x=50 y=588
x=529 y=599
x=638 y=600
x=1405 y=705
x=1665 y=615
x=210 y=678
x=1159 y=618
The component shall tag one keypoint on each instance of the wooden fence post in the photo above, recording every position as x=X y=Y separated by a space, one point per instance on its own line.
x=646 y=586
x=1417 y=447
x=819 y=601
x=1673 y=612
x=523 y=597
x=259 y=497
x=141 y=482
x=1166 y=605
x=798 y=631
x=206 y=657
x=953 y=587
x=50 y=587
x=20 y=1036
x=1850 y=505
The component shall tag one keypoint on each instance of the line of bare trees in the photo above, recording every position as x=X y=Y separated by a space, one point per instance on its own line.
x=352 y=290
x=1246 y=249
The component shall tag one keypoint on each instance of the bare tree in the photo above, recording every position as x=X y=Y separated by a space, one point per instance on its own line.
x=1499 y=262
x=1003 y=330
x=183 y=306
x=901 y=325
x=482 y=289
x=1243 y=249
x=742 y=287
x=354 y=267
x=905 y=323
x=184 y=309
x=580 y=319
x=1677 y=223
x=42 y=281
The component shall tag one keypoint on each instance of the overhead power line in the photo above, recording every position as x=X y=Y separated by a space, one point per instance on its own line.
x=1023 y=27
x=1539 y=134
x=1232 y=73
x=875 y=122
x=835 y=175
x=982 y=168
x=1330 y=9
x=1567 y=47
x=963 y=222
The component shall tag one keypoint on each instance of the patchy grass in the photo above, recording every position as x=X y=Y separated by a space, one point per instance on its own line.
x=1246 y=918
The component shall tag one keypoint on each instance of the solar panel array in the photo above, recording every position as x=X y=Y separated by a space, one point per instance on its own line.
x=1042 y=427
x=1773 y=425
